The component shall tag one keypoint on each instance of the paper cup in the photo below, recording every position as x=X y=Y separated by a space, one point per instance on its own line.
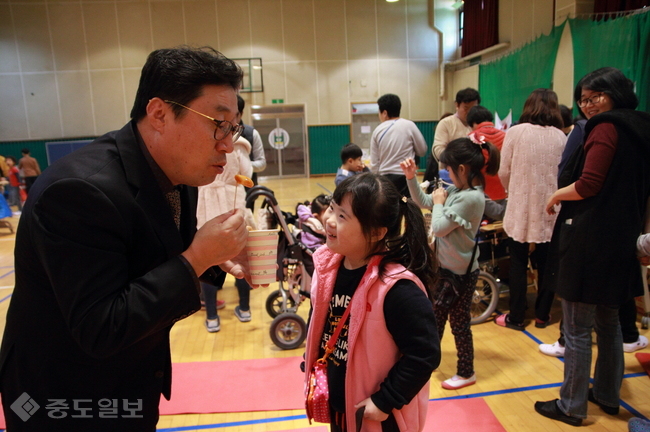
x=262 y=251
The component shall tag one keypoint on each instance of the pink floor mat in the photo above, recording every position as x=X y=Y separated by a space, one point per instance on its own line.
x=273 y=384
x=461 y=415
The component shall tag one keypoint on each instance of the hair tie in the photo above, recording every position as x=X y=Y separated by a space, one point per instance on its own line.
x=485 y=146
x=477 y=139
x=404 y=200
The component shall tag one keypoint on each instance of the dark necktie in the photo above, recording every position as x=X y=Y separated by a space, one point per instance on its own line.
x=174 y=200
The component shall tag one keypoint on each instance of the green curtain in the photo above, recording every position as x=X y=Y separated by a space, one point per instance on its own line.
x=642 y=76
x=506 y=83
x=622 y=43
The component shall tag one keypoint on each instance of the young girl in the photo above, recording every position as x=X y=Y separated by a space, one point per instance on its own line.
x=379 y=370
x=311 y=217
x=217 y=198
x=455 y=220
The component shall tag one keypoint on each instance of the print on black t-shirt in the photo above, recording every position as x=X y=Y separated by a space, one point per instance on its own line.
x=344 y=287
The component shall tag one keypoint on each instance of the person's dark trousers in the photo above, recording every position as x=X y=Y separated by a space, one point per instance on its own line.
x=210 y=295
x=244 y=291
x=627 y=318
x=400 y=183
x=518 y=281
x=29 y=181
x=545 y=297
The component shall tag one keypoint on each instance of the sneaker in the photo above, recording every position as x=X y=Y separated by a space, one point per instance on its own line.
x=637 y=424
x=503 y=320
x=243 y=316
x=640 y=343
x=553 y=350
x=213 y=325
x=542 y=324
x=221 y=304
x=457 y=382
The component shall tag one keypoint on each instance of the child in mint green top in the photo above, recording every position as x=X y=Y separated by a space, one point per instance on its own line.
x=456 y=217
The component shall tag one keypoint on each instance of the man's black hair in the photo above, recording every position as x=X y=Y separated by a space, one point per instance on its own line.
x=468 y=95
x=179 y=74
x=391 y=104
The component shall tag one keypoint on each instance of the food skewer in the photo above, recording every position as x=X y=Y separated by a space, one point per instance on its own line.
x=244 y=181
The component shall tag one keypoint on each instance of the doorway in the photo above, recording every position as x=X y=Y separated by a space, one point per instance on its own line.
x=283 y=132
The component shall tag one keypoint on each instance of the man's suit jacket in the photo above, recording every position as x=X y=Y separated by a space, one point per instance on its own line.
x=98 y=286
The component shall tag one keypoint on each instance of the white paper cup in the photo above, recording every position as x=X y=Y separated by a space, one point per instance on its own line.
x=262 y=252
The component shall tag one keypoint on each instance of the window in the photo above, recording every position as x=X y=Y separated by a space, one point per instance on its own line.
x=461 y=24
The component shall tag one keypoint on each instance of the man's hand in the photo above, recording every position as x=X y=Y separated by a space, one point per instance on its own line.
x=409 y=168
x=371 y=411
x=645 y=260
x=219 y=240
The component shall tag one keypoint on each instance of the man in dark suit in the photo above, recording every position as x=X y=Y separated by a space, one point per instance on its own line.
x=107 y=254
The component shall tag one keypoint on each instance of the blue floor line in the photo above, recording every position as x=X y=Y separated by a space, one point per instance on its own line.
x=7 y=274
x=5 y=297
x=230 y=424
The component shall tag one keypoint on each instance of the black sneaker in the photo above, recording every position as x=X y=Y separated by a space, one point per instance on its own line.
x=551 y=410
x=608 y=409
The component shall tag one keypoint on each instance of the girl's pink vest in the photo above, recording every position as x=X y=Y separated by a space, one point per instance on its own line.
x=371 y=349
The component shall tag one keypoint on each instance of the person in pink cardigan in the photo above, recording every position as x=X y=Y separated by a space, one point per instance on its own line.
x=530 y=156
x=379 y=370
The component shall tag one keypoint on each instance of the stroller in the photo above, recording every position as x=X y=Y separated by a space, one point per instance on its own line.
x=295 y=267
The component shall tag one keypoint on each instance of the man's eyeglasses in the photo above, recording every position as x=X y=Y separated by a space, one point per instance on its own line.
x=224 y=127
x=597 y=98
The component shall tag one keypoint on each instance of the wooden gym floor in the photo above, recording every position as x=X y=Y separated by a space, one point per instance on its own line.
x=512 y=373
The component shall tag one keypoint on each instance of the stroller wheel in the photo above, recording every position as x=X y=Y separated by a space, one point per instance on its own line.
x=288 y=331
x=485 y=298
x=274 y=303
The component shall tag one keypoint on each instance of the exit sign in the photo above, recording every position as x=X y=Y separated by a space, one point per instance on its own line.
x=277 y=101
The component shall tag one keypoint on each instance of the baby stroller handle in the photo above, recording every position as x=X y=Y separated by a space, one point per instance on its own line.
x=257 y=191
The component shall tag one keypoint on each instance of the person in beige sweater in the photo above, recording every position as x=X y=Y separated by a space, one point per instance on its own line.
x=455 y=126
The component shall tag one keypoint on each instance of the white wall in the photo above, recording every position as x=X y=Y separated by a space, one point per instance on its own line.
x=71 y=69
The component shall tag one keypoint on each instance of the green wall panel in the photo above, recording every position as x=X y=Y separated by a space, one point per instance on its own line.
x=427 y=128
x=325 y=143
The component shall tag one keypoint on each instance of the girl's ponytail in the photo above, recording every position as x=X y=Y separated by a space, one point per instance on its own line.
x=474 y=152
x=493 y=158
x=411 y=248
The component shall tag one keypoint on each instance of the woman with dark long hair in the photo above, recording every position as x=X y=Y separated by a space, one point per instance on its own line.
x=529 y=159
x=593 y=260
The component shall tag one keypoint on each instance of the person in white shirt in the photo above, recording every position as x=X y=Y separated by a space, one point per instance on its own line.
x=393 y=141
x=455 y=126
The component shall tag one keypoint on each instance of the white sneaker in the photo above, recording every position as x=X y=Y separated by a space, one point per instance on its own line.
x=553 y=350
x=641 y=343
x=243 y=316
x=212 y=325
x=457 y=382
